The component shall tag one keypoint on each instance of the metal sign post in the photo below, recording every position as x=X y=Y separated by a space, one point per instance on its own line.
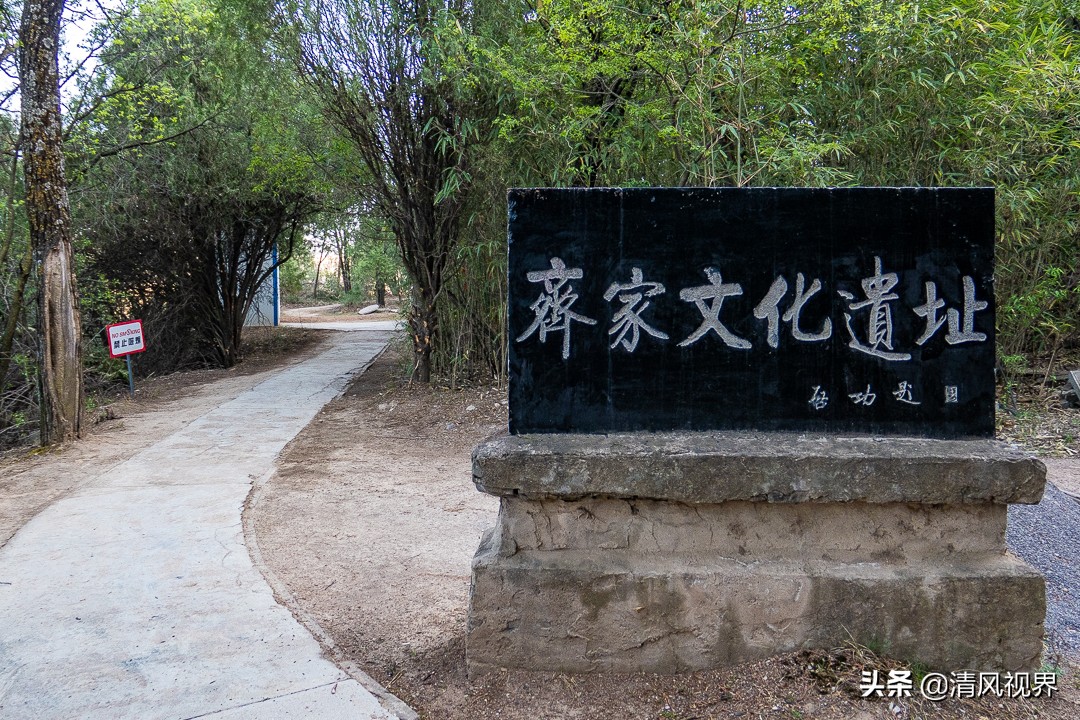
x=131 y=377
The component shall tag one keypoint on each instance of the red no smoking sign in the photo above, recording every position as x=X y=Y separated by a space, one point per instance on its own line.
x=125 y=338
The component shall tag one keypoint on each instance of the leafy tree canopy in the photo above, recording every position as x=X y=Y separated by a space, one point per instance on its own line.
x=202 y=156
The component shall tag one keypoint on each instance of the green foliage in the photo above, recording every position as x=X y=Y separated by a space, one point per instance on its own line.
x=977 y=93
x=376 y=261
x=196 y=163
x=294 y=273
x=385 y=73
x=379 y=264
x=192 y=128
x=473 y=321
x=684 y=93
x=1039 y=309
x=854 y=92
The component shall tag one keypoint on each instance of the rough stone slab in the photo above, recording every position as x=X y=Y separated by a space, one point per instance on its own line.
x=617 y=612
x=716 y=467
x=752 y=532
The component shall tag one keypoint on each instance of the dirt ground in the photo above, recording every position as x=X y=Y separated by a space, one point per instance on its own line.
x=370 y=524
x=372 y=520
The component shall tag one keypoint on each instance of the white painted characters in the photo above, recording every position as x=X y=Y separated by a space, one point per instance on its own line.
x=715 y=292
x=628 y=318
x=879 y=331
x=552 y=308
x=869 y=321
x=769 y=310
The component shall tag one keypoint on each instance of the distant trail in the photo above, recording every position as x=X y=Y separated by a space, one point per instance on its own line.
x=313 y=310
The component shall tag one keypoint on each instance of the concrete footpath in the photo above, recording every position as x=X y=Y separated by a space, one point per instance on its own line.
x=135 y=597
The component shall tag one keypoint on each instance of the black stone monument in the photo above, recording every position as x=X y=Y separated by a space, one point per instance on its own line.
x=854 y=310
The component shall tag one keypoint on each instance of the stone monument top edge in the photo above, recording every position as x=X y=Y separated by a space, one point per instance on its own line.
x=720 y=466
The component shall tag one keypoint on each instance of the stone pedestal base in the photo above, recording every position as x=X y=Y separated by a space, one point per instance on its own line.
x=768 y=547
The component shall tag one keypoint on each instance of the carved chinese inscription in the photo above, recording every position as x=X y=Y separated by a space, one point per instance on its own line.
x=841 y=310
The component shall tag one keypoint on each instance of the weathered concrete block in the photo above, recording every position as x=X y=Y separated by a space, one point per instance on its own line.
x=750 y=532
x=570 y=611
x=774 y=467
x=764 y=546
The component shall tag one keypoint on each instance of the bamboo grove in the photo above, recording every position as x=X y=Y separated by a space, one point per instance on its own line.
x=198 y=136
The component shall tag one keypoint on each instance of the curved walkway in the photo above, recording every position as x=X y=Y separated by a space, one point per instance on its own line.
x=135 y=597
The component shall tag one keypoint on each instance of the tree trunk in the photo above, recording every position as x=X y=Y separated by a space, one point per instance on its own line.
x=49 y=219
x=346 y=276
x=315 y=286
x=380 y=291
x=233 y=335
x=15 y=305
x=423 y=321
x=9 y=227
x=341 y=239
x=7 y=342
